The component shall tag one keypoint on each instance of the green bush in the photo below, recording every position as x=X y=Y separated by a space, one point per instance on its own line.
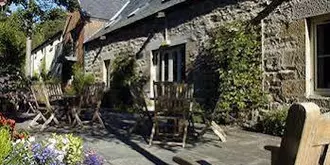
x=80 y=79
x=5 y=143
x=124 y=75
x=273 y=122
x=75 y=150
x=237 y=48
x=20 y=154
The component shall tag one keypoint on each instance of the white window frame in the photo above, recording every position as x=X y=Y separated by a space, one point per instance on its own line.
x=106 y=72
x=311 y=56
x=154 y=70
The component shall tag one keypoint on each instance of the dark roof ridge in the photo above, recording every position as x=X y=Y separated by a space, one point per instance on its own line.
x=154 y=7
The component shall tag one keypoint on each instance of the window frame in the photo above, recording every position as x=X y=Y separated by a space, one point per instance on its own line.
x=153 y=67
x=161 y=54
x=107 y=72
x=320 y=20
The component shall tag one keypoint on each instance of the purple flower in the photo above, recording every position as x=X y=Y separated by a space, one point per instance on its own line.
x=44 y=155
x=91 y=158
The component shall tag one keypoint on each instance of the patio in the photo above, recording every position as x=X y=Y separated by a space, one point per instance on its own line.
x=112 y=143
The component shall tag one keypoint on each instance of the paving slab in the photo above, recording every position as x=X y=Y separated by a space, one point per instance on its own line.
x=242 y=147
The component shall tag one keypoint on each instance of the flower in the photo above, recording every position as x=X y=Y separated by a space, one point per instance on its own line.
x=91 y=158
x=31 y=139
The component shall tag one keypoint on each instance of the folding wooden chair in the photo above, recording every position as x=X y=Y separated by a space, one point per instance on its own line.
x=44 y=107
x=172 y=106
x=92 y=98
x=56 y=99
x=140 y=105
x=54 y=92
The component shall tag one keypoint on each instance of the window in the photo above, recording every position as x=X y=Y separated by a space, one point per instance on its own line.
x=320 y=55
x=169 y=64
x=106 y=73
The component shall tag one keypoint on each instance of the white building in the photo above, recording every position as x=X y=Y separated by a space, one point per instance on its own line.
x=47 y=51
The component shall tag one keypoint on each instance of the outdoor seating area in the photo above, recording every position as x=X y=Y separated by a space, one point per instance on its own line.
x=170 y=119
x=120 y=82
x=53 y=106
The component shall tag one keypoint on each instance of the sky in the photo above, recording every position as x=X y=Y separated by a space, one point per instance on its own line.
x=14 y=7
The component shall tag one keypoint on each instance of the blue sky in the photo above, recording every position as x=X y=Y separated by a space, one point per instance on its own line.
x=14 y=7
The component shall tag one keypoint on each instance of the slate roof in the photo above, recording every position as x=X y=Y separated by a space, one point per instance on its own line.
x=141 y=9
x=102 y=9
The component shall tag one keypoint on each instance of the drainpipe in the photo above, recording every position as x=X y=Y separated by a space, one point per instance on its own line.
x=263 y=53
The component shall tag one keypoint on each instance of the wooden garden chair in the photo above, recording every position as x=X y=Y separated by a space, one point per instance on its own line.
x=54 y=92
x=172 y=106
x=141 y=106
x=91 y=98
x=56 y=99
x=43 y=106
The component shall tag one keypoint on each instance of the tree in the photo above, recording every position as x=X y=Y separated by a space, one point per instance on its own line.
x=52 y=22
x=12 y=42
x=41 y=17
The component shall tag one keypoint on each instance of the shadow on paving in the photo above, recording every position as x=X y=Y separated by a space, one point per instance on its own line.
x=242 y=146
x=116 y=129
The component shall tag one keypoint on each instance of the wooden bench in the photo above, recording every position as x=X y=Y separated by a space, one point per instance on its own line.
x=307 y=137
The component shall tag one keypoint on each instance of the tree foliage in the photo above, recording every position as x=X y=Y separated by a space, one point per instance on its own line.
x=236 y=46
x=12 y=41
x=36 y=18
x=52 y=22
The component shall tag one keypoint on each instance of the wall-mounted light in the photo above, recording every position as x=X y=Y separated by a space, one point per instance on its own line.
x=161 y=14
x=103 y=37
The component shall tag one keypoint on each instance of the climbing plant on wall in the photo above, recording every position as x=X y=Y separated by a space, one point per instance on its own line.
x=124 y=76
x=237 y=48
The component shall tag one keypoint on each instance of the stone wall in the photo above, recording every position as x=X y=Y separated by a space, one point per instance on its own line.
x=283 y=45
x=284 y=56
x=190 y=25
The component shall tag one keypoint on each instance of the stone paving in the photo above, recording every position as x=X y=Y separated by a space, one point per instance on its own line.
x=242 y=147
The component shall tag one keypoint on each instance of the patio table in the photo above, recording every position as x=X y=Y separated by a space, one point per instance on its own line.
x=71 y=102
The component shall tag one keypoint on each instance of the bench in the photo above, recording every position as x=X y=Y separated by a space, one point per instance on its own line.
x=307 y=136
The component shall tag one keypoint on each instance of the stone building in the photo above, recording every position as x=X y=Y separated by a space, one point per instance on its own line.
x=294 y=34
x=79 y=27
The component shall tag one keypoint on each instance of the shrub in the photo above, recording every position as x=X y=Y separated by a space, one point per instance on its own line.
x=58 y=149
x=236 y=47
x=80 y=79
x=68 y=147
x=75 y=150
x=5 y=143
x=124 y=75
x=273 y=122
x=21 y=154
x=45 y=154
x=8 y=123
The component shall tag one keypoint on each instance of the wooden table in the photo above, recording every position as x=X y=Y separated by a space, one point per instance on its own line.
x=72 y=104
